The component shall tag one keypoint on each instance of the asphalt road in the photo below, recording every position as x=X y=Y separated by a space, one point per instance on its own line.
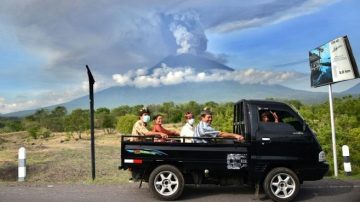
x=325 y=190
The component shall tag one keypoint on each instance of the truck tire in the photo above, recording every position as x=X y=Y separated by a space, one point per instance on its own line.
x=281 y=184
x=166 y=182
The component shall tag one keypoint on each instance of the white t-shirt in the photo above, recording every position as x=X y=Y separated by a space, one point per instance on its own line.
x=187 y=131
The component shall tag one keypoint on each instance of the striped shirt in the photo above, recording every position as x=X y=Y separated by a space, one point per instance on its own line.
x=204 y=130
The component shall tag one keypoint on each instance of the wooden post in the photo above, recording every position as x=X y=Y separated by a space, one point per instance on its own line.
x=91 y=96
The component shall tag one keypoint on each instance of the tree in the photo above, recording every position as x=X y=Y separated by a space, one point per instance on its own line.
x=41 y=116
x=105 y=120
x=191 y=106
x=10 y=124
x=109 y=123
x=78 y=121
x=56 y=119
x=223 y=117
x=100 y=115
x=14 y=125
x=347 y=123
x=125 y=123
x=211 y=105
x=121 y=111
x=136 y=109
x=102 y=110
x=33 y=132
x=59 y=111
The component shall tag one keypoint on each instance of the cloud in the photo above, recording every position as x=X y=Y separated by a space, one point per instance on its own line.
x=240 y=17
x=114 y=37
x=4 y=104
x=291 y=63
x=172 y=76
x=121 y=80
x=109 y=36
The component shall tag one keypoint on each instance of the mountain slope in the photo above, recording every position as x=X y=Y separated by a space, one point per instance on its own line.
x=353 y=90
x=194 y=61
x=226 y=91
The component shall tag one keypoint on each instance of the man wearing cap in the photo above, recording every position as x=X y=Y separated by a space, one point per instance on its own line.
x=204 y=129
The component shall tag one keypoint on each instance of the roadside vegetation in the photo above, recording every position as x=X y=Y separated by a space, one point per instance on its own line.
x=58 y=146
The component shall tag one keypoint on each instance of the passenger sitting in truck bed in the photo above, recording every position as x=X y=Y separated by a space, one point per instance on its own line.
x=139 y=128
x=204 y=129
x=269 y=116
x=188 y=129
x=158 y=121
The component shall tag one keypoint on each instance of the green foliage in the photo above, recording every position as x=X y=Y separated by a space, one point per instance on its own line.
x=121 y=111
x=44 y=133
x=78 y=121
x=109 y=123
x=41 y=116
x=33 y=132
x=125 y=123
x=56 y=119
x=346 y=110
x=105 y=120
x=223 y=117
x=347 y=126
x=59 y=111
x=10 y=125
x=136 y=109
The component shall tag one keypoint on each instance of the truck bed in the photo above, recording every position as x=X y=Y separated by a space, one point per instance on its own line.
x=218 y=155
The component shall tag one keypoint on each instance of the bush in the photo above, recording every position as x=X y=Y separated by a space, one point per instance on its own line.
x=68 y=136
x=33 y=132
x=44 y=133
x=125 y=123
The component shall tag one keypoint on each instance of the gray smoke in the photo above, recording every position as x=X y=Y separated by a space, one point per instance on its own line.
x=188 y=33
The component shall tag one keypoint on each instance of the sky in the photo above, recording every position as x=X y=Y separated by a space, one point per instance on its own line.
x=45 y=44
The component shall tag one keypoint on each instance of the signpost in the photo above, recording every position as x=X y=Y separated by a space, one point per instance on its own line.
x=330 y=63
x=333 y=137
x=91 y=96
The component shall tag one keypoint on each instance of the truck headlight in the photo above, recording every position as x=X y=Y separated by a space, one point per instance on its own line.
x=322 y=156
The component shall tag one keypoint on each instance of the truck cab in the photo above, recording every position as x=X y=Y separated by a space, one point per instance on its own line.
x=289 y=142
x=278 y=154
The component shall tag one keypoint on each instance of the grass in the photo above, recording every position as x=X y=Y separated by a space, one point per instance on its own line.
x=342 y=176
x=57 y=161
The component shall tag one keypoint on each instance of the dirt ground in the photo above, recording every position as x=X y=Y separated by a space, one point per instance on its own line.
x=58 y=159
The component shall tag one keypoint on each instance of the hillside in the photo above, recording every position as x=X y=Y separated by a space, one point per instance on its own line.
x=353 y=90
x=226 y=91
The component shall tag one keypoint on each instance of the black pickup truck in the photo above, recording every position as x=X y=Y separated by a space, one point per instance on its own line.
x=277 y=155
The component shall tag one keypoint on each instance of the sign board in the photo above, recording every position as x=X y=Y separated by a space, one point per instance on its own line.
x=332 y=62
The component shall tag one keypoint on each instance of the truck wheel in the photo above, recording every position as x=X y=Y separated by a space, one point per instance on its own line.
x=166 y=182
x=281 y=184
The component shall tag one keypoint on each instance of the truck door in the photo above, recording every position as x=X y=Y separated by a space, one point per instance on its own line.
x=282 y=142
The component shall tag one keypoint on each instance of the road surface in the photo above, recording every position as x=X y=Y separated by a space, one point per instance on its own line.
x=325 y=190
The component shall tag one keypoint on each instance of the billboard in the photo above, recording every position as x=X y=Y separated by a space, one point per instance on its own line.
x=332 y=62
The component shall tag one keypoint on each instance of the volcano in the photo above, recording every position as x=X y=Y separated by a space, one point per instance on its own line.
x=199 y=63
x=218 y=91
